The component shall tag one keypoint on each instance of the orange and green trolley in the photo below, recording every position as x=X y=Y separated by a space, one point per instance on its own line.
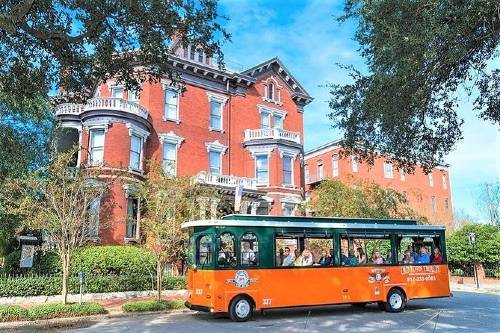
x=243 y=263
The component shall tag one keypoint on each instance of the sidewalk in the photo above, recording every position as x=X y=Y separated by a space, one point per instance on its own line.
x=483 y=289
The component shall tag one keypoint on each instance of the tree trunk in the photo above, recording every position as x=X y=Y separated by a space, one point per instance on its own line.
x=65 y=260
x=159 y=278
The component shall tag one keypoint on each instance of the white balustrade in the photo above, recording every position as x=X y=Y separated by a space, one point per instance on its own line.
x=271 y=133
x=69 y=108
x=226 y=180
x=103 y=103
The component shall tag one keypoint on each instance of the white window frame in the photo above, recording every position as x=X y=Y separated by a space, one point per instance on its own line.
x=445 y=183
x=276 y=91
x=171 y=138
x=388 y=173
x=335 y=165
x=320 y=166
x=354 y=163
x=218 y=147
x=257 y=155
x=281 y=119
x=222 y=100
x=91 y=148
x=265 y=115
x=266 y=111
x=143 y=134
x=166 y=89
x=94 y=233
x=116 y=87
x=137 y=219
x=307 y=174
x=219 y=156
x=402 y=175
x=135 y=94
x=431 y=179
x=292 y=160
x=433 y=204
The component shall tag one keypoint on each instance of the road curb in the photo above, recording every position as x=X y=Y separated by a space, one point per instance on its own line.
x=74 y=321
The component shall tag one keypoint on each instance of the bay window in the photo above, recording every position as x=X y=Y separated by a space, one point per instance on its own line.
x=287 y=171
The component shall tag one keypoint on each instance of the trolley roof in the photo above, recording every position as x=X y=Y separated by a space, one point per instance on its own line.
x=312 y=222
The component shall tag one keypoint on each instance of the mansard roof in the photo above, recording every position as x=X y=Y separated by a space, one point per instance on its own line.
x=299 y=94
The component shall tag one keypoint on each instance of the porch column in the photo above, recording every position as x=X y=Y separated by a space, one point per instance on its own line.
x=213 y=208
x=244 y=207
x=203 y=202
x=254 y=206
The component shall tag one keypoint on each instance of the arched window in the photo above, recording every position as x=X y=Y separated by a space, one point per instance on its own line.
x=226 y=244
x=204 y=250
x=270 y=91
x=249 y=249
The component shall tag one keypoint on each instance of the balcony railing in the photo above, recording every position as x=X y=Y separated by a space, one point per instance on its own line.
x=271 y=133
x=226 y=180
x=69 y=108
x=103 y=103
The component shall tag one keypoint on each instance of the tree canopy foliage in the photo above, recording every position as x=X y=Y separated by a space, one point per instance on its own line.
x=74 y=44
x=487 y=245
x=419 y=54
x=363 y=199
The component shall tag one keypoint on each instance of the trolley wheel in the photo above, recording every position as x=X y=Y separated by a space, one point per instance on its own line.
x=396 y=301
x=241 y=309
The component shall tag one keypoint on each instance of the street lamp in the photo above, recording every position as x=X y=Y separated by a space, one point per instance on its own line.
x=472 y=241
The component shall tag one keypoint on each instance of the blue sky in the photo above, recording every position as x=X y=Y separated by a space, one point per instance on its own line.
x=310 y=42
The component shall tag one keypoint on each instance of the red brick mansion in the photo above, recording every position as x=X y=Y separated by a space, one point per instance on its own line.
x=225 y=128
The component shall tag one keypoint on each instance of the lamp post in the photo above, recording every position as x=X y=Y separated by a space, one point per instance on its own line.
x=472 y=241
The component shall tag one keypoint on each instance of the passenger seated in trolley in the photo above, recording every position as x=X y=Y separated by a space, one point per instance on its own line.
x=422 y=256
x=226 y=256
x=307 y=258
x=289 y=257
x=352 y=260
x=324 y=260
x=408 y=258
x=377 y=258
x=361 y=256
x=247 y=254
x=437 y=257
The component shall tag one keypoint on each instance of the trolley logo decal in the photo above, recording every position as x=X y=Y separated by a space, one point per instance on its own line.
x=241 y=279
x=420 y=273
x=378 y=275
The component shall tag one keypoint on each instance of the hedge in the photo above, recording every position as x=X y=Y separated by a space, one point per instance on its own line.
x=48 y=311
x=143 y=306
x=97 y=260
x=51 y=285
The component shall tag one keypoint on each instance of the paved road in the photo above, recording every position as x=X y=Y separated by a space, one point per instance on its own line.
x=466 y=312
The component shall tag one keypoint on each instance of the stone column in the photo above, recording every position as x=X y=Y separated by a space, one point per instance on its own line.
x=203 y=202
x=244 y=207
x=213 y=208
x=254 y=206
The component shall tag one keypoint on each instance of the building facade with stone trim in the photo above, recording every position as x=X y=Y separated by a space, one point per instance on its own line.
x=224 y=128
x=428 y=194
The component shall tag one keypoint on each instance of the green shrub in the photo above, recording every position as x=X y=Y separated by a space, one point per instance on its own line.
x=43 y=263
x=116 y=259
x=143 y=306
x=48 y=311
x=12 y=313
x=51 y=285
x=174 y=282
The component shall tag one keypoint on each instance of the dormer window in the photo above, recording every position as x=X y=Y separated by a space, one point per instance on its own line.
x=270 y=91
x=200 y=55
